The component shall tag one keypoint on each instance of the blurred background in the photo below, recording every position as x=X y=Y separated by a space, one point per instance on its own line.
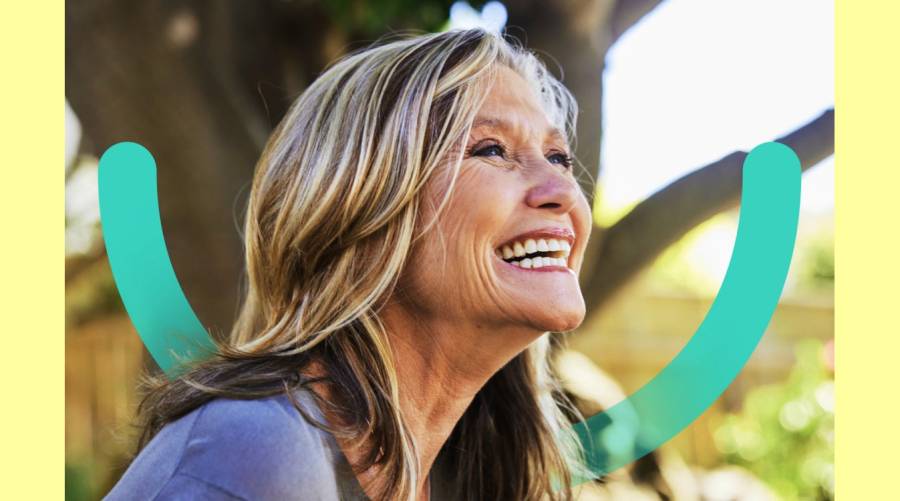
x=672 y=93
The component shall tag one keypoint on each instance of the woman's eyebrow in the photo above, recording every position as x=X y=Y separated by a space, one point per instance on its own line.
x=504 y=124
x=492 y=122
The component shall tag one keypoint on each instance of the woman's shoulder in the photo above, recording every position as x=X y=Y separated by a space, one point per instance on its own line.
x=270 y=421
x=248 y=449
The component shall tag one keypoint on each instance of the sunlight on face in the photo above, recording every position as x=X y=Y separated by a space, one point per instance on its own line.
x=508 y=247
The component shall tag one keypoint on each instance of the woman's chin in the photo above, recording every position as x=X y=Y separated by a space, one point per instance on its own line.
x=551 y=300
x=565 y=324
x=561 y=318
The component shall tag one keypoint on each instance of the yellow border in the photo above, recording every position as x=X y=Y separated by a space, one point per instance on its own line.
x=31 y=204
x=866 y=251
x=32 y=207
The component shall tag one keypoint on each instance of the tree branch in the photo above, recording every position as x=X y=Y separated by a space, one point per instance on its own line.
x=634 y=241
x=627 y=13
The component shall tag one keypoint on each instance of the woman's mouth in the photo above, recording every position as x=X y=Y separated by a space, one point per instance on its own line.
x=533 y=253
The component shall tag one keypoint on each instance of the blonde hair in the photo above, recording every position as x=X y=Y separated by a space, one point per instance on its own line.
x=333 y=214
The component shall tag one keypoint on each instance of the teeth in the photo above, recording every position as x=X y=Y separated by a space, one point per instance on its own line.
x=514 y=252
x=518 y=250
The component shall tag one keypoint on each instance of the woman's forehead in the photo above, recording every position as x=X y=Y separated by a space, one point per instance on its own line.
x=512 y=105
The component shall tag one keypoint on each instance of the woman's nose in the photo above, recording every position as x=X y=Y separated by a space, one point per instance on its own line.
x=553 y=191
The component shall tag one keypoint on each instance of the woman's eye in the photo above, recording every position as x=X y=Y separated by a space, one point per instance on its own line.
x=561 y=159
x=490 y=151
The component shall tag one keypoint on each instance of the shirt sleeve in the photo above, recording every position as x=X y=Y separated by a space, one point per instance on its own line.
x=256 y=450
x=259 y=450
x=186 y=487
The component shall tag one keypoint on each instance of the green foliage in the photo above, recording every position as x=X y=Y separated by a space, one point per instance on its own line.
x=91 y=295
x=785 y=432
x=818 y=263
x=374 y=18
x=822 y=265
x=78 y=482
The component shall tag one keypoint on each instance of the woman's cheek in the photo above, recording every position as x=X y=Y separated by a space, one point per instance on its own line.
x=477 y=216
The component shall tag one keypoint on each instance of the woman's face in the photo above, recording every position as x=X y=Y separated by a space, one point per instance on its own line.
x=507 y=248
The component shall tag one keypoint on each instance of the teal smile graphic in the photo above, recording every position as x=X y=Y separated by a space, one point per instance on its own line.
x=684 y=389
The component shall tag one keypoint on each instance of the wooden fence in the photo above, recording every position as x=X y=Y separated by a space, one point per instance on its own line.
x=632 y=341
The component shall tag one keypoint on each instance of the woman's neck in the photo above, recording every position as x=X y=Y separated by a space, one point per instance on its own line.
x=441 y=366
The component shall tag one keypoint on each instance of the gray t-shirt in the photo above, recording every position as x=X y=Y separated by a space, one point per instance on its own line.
x=251 y=450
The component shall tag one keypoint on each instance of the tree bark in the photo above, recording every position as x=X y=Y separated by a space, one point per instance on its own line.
x=627 y=13
x=200 y=84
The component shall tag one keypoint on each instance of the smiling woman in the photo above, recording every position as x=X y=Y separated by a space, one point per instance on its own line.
x=414 y=232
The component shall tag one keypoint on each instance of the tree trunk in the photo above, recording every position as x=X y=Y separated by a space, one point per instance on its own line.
x=200 y=84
